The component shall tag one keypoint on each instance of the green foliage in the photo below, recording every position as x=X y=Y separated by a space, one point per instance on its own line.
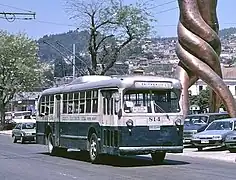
x=202 y=100
x=18 y=66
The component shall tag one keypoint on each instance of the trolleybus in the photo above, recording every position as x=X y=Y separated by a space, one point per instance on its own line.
x=123 y=115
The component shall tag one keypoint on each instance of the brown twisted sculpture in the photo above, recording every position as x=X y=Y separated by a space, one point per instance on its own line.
x=198 y=49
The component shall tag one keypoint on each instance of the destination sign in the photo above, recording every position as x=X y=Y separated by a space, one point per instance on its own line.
x=165 y=85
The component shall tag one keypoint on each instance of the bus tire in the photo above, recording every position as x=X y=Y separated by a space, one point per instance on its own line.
x=93 y=148
x=200 y=148
x=51 y=148
x=158 y=157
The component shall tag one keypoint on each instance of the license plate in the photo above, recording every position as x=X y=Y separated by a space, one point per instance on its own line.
x=204 y=141
x=154 y=128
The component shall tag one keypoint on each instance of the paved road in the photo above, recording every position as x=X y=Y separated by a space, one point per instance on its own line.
x=30 y=162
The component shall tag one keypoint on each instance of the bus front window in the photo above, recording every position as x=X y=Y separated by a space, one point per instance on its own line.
x=159 y=101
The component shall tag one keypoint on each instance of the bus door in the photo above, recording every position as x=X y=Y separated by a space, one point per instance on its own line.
x=57 y=119
x=109 y=116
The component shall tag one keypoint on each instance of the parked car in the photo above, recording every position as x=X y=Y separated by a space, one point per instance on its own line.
x=198 y=122
x=215 y=133
x=230 y=141
x=24 y=131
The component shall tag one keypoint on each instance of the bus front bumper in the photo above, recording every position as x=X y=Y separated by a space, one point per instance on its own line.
x=149 y=149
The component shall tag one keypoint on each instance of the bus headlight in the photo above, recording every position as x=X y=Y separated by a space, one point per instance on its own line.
x=178 y=122
x=130 y=123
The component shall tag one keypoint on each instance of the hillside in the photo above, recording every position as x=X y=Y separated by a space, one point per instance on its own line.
x=225 y=33
x=48 y=54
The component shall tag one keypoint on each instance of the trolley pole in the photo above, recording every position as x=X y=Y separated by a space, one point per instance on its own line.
x=73 y=64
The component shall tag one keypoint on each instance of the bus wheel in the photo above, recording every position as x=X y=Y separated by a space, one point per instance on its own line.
x=199 y=148
x=158 y=157
x=93 y=148
x=50 y=144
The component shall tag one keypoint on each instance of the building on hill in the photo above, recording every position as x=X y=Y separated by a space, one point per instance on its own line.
x=229 y=77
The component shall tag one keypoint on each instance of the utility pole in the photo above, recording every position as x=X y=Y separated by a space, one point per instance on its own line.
x=73 y=64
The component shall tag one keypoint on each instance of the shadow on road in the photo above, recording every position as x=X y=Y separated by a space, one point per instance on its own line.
x=119 y=161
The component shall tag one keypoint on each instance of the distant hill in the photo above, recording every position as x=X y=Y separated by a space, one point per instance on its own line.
x=48 y=54
x=225 y=33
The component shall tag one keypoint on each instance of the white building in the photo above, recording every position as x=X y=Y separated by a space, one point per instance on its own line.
x=229 y=77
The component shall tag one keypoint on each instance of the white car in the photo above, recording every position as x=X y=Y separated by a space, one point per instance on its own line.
x=215 y=133
x=24 y=131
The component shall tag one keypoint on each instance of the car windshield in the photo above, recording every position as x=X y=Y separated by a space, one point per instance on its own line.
x=28 y=126
x=149 y=101
x=196 y=120
x=220 y=125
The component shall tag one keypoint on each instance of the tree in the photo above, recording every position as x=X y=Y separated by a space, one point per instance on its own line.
x=111 y=26
x=202 y=100
x=19 y=68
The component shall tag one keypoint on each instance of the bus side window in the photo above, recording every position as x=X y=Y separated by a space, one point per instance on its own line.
x=108 y=106
x=95 y=102
x=64 y=103
x=82 y=102
x=51 y=104
x=112 y=106
x=104 y=106
x=88 y=101
x=42 y=106
x=76 y=102
x=70 y=103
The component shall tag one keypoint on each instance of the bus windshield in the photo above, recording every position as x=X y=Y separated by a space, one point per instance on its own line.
x=151 y=101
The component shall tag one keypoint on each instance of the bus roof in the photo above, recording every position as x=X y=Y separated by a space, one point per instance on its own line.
x=95 y=82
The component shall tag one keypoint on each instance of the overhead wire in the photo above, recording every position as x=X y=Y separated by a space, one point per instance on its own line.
x=13 y=7
x=159 y=5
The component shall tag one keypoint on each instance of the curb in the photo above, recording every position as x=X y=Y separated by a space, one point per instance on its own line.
x=5 y=133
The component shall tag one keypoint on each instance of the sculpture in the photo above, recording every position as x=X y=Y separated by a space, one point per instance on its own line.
x=198 y=49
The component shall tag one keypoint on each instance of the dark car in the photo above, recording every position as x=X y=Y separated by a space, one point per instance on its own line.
x=198 y=122
x=215 y=133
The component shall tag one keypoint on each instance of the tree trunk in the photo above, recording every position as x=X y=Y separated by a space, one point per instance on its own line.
x=2 y=116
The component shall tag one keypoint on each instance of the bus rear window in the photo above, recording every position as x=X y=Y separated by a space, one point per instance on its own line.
x=160 y=101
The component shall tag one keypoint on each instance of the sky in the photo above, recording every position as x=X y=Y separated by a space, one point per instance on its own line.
x=52 y=18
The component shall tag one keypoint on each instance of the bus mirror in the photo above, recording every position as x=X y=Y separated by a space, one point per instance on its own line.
x=119 y=114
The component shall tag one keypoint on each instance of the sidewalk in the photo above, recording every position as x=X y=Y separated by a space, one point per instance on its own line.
x=6 y=132
x=211 y=153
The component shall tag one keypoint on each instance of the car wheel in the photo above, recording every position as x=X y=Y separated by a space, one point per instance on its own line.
x=232 y=150
x=158 y=157
x=94 y=148
x=14 y=139
x=199 y=148
x=22 y=140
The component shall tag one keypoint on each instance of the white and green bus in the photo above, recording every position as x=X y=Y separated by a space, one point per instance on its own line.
x=123 y=115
